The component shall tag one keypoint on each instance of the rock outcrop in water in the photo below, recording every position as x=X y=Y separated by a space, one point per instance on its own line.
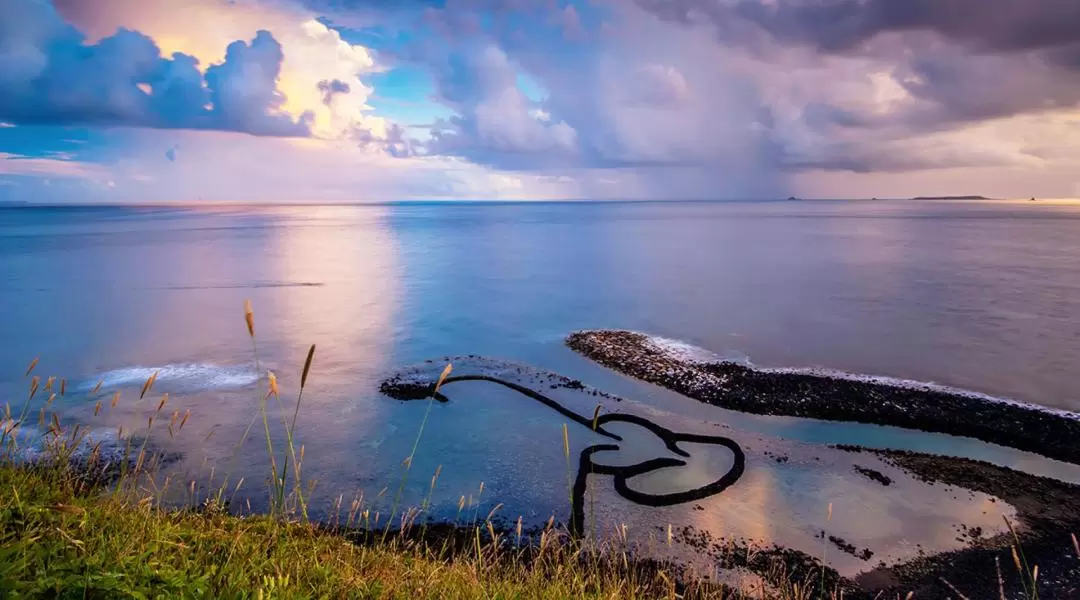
x=820 y=396
x=1045 y=508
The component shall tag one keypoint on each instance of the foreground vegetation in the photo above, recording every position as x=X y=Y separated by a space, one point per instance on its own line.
x=56 y=541
x=81 y=521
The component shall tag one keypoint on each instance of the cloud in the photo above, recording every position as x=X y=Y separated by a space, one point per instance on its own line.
x=330 y=88
x=496 y=122
x=845 y=25
x=223 y=166
x=243 y=89
x=643 y=94
x=312 y=53
x=577 y=98
x=50 y=75
x=960 y=60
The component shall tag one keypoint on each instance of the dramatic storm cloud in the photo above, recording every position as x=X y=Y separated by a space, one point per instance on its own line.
x=543 y=98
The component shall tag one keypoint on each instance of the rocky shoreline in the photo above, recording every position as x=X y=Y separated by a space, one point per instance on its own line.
x=818 y=396
x=1048 y=511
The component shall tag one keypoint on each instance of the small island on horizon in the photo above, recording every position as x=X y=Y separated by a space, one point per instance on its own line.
x=951 y=198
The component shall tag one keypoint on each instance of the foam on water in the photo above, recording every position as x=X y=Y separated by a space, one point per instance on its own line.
x=685 y=352
x=30 y=441
x=690 y=353
x=187 y=377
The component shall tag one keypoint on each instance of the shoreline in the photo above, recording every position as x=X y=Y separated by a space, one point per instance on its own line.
x=825 y=396
x=1045 y=507
x=1047 y=521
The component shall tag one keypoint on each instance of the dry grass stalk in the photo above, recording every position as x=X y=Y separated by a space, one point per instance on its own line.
x=272 y=389
x=30 y=369
x=148 y=384
x=307 y=366
x=442 y=376
x=954 y=590
x=249 y=318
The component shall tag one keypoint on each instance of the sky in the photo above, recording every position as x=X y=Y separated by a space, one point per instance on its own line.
x=116 y=101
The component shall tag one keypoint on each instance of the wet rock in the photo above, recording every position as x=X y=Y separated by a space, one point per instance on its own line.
x=1046 y=509
x=877 y=476
x=820 y=396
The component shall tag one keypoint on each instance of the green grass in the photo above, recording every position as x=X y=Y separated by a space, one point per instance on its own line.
x=59 y=539
x=75 y=525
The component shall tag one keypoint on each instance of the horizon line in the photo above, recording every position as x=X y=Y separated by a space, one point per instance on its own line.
x=255 y=203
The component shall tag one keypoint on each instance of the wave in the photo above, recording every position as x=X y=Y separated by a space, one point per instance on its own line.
x=181 y=377
x=690 y=353
x=30 y=445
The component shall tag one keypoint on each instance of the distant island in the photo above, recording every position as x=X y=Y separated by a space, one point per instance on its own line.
x=951 y=198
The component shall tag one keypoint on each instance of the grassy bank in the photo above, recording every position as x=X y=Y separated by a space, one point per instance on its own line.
x=58 y=540
x=81 y=521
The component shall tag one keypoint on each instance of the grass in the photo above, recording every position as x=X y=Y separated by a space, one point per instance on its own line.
x=57 y=541
x=78 y=522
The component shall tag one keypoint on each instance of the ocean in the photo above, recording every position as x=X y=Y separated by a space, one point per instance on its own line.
x=979 y=295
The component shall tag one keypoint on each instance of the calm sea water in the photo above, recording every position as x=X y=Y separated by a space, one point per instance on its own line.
x=978 y=295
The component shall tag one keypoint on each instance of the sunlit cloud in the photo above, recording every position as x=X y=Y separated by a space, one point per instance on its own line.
x=578 y=99
x=313 y=53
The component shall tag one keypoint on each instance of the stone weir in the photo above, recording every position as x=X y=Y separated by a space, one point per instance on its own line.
x=834 y=396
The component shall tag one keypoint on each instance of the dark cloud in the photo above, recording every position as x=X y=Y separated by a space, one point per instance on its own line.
x=947 y=88
x=821 y=116
x=843 y=25
x=960 y=88
x=50 y=75
x=960 y=61
x=1066 y=56
x=644 y=101
x=890 y=156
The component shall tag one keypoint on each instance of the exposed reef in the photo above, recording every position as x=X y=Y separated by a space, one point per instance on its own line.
x=405 y=387
x=1047 y=509
x=834 y=396
x=873 y=475
x=1048 y=515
